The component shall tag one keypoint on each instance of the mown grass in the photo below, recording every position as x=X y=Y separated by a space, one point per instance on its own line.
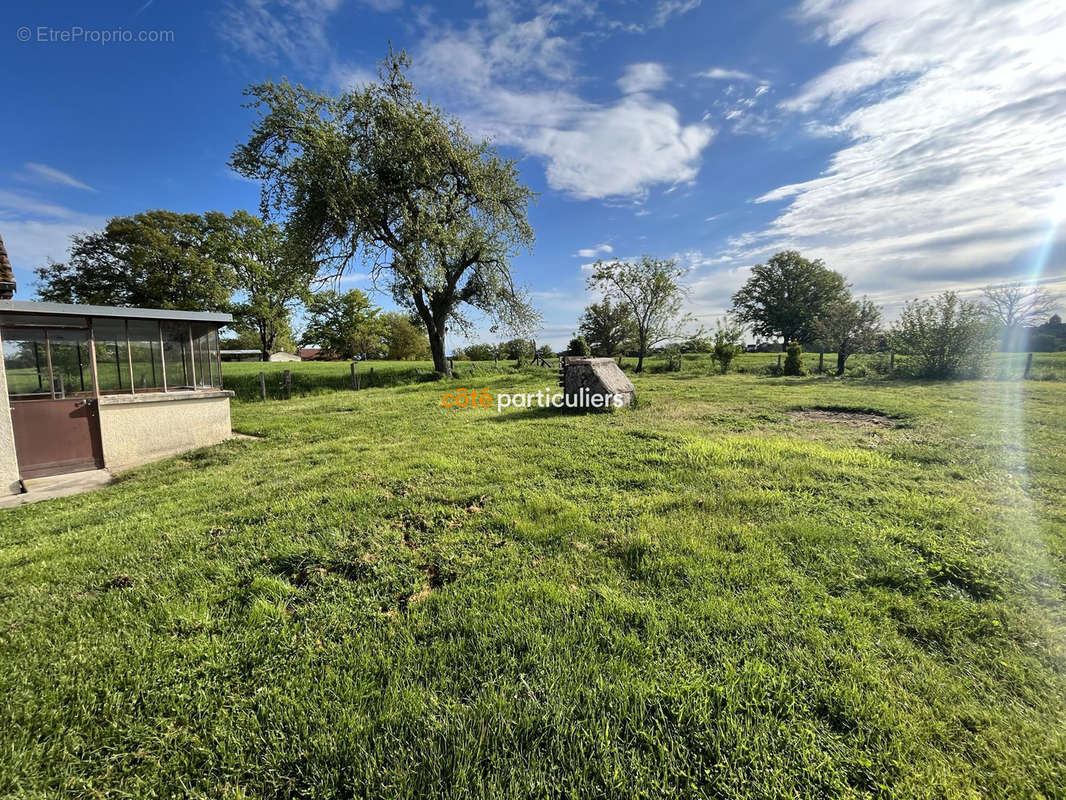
x=712 y=595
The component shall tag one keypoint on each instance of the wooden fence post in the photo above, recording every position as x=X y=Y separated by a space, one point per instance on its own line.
x=779 y=361
x=821 y=360
x=1028 y=366
x=355 y=380
x=287 y=377
x=891 y=362
x=263 y=386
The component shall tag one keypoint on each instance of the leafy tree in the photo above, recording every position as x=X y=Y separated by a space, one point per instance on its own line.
x=578 y=347
x=699 y=344
x=155 y=259
x=727 y=342
x=849 y=326
x=650 y=289
x=481 y=352
x=404 y=340
x=518 y=349
x=545 y=351
x=787 y=295
x=607 y=327
x=345 y=324
x=269 y=275
x=376 y=172
x=941 y=335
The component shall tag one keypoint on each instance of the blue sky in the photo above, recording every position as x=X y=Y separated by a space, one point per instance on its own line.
x=915 y=145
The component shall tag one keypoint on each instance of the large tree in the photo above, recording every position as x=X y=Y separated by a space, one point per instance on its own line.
x=607 y=327
x=1013 y=305
x=849 y=326
x=404 y=339
x=345 y=324
x=378 y=174
x=651 y=290
x=155 y=259
x=270 y=277
x=786 y=296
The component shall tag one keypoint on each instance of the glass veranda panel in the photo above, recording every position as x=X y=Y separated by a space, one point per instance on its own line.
x=205 y=343
x=176 y=354
x=26 y=363
x=147 y=355
x=71 y=367
x=112 y=356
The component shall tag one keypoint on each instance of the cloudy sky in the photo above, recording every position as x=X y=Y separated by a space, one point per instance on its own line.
x=914 y=145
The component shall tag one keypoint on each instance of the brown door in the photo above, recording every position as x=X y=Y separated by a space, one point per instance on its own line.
x=56 y=436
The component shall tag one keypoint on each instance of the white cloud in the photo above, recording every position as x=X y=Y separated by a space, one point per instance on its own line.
x=665 y=10
x=592 y=252
x=723 y=74
x=620 y=150
x=276 y=30
x=43 y=172
x=643 y=77
x=953 y=115
x=512 y=80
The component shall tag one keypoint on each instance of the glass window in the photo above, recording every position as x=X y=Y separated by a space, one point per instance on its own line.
x=205 y=346
x=26 y=363
x=71 y=370
x=112 y=356
x=145 y=350
x=176 y=354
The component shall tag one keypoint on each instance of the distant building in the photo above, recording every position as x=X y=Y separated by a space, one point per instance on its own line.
x=241 y=355
x=310 y=354
x=284 y=357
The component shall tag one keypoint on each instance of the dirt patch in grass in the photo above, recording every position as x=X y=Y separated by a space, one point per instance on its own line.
x=855 y=419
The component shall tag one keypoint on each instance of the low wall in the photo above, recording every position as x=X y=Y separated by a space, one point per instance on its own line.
x=9 y=466
x=136 y=429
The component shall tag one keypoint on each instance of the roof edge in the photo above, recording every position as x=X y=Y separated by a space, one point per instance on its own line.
x=80 y=310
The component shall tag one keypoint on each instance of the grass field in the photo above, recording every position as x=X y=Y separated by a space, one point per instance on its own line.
x=317 y=377
x=733 y=590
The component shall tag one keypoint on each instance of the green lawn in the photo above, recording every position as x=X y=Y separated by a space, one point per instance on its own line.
x=712 y=595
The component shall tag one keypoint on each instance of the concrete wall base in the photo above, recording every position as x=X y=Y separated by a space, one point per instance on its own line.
x=137 y=429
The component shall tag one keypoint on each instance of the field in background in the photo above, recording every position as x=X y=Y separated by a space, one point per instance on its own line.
x=745 y=587
x=314 y=377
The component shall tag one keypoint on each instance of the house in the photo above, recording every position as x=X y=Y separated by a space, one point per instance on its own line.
x=100 y=387
x=310 y=354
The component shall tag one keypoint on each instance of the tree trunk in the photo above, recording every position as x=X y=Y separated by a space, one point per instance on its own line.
x=842 y=357
x=436 y=347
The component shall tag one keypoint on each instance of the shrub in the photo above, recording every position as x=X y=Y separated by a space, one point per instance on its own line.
x=578 y=347
x=944 y=337
x=726 y=343
x=793 y=359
